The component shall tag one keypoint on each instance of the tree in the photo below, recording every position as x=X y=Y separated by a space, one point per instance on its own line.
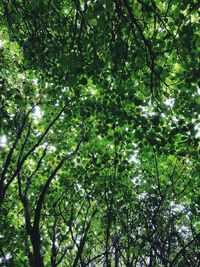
x=99 y=134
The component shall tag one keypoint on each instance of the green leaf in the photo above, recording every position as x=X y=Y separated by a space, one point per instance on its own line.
x=93 y=22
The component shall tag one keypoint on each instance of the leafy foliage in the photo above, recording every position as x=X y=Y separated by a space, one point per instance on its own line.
x=99 y=133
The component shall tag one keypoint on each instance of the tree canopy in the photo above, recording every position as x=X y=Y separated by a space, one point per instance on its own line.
x=99 y=133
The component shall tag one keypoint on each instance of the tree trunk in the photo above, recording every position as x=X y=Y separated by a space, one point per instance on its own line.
x=36 y=243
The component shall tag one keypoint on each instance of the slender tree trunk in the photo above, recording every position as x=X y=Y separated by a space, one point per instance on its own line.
x=107 y=240
x=36 y=243
x=116 y=258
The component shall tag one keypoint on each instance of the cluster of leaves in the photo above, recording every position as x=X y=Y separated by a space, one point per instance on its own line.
x=99 y=133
